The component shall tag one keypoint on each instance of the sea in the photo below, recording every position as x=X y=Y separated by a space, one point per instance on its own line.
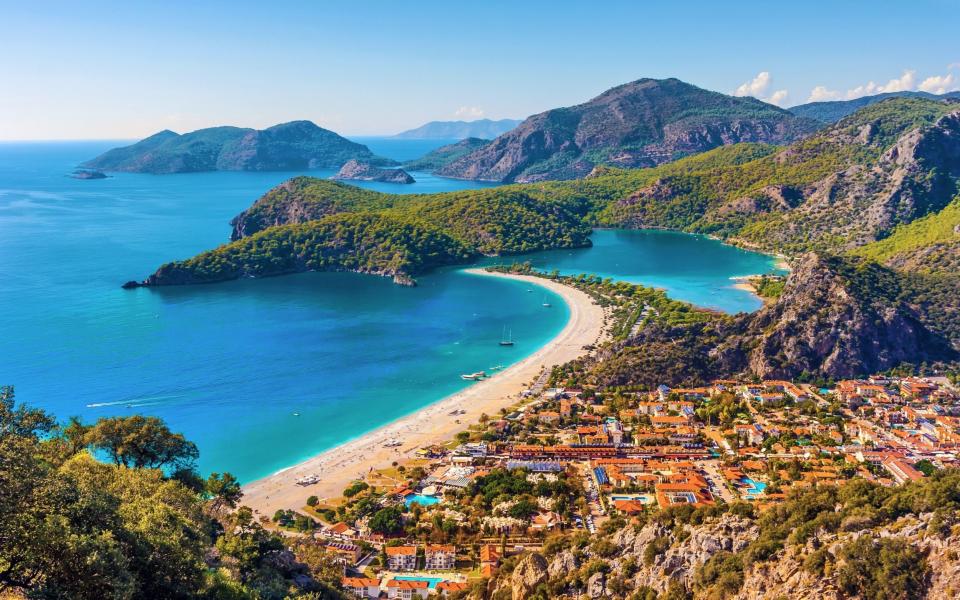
x=262 y=374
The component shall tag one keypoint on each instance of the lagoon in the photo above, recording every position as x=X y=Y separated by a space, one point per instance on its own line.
x=262 y=374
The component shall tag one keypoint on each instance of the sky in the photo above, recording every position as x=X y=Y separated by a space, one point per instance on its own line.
x=126 y=69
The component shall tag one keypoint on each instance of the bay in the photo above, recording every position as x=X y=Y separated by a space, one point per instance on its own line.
x=264 y=373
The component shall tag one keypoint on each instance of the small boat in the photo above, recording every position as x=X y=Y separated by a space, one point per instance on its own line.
x=296 y=414
x=545 y=303
x=473 y=376
x=506 y=340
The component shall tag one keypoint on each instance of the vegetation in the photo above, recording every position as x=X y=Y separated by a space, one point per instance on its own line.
x=140 y=528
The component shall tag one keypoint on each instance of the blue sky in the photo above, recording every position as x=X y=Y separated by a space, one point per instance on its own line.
x=84 y=70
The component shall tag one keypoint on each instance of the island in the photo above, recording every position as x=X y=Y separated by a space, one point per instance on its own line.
x=286 y=147
x=355 y=170
x=88 y=174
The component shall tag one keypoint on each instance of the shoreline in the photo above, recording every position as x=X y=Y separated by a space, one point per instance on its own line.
x=431 y=424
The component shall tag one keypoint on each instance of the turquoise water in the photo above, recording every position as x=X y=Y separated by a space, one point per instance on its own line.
x=421 y=500
x=260 y=374
x=694 y=268
x=754 y=488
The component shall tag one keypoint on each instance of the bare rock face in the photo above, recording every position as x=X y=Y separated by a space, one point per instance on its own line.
x=680 y=560
x=837 y=318
x=364 y=171
x=563 y=563
x=530 y=572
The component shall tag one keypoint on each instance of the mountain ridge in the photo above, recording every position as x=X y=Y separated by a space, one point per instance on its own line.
x=638 y=124
x=480 y=128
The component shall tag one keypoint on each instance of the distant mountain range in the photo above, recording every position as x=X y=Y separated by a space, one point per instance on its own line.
x=284 y=147
x=640 y=124
x=834 y=110
x=458 y=130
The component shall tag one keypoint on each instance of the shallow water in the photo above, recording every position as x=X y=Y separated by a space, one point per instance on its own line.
x=261 y=374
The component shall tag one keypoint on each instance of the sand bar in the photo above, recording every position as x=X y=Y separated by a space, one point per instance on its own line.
x=432 y=424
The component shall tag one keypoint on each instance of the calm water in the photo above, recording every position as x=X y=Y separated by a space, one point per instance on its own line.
x=232 y=365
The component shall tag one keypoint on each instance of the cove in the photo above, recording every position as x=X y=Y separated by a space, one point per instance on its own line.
x=260 y=374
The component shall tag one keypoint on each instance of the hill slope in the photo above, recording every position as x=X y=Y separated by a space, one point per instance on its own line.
x=639 y=124
x=288 y=146
x=444 y=155
x=834 y=110
x=458 y=130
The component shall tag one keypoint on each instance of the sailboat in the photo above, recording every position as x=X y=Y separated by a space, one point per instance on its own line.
x=506 y=340
x=545 y=303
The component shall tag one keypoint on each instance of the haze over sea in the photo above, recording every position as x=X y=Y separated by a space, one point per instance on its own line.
x=264 y=373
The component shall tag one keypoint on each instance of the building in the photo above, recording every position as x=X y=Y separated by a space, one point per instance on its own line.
x=361 y=587
x=401 y=558
x=407 y=590
x=440 y=557
x=346 y=552
x=901 y=470
x=445 y=588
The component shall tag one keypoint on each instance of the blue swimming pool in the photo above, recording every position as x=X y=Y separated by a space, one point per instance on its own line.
x=433 y=581
x=421 y=500
x=754 y=488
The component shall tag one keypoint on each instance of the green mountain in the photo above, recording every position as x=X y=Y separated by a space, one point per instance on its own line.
x=458 y=130
x=639 y=124
x=866 y=210
x=397 y=236
x=444 y=155
x=834 y=110
x=288 y=146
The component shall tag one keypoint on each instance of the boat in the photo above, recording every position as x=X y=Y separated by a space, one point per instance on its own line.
x=545 y=303
x=473 y=376
x=506 y=340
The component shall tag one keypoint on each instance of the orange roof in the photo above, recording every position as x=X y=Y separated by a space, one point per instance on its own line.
x=488 y=570
x=401 y=550
x=629 y=507
x=440 y=548
x=451 y=586
x=359 y=582
x=408 y=584
x=489 y=553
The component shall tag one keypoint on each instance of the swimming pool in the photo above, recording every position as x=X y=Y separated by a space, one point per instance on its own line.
x=754 y=488
x=642 y=498
x=420 y=499
x=432 y=581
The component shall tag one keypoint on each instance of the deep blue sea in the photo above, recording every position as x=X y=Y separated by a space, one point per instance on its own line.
x=264 y=373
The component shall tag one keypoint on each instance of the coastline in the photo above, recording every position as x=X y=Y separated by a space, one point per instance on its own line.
x=432 y=424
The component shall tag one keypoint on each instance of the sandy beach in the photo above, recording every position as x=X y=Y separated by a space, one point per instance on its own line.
x=432 y=424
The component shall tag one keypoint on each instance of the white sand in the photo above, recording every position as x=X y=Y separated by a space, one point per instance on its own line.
x=432 y=424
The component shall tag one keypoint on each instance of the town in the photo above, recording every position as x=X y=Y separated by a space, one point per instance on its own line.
x=576 y=460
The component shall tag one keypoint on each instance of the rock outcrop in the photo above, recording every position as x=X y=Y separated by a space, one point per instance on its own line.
x=356 y=170
x=639 y=124
x=836 y=318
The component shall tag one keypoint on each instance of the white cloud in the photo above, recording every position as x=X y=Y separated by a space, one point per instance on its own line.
x=474 y=112
x=779 y=97
x=758 y=86
x=822 y=94
x=938 y=84
x=906 y=82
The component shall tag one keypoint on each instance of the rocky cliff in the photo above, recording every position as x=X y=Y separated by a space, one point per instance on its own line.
x=639 y=124
x=356 y=170
x=836 y=318
x=284 y=147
